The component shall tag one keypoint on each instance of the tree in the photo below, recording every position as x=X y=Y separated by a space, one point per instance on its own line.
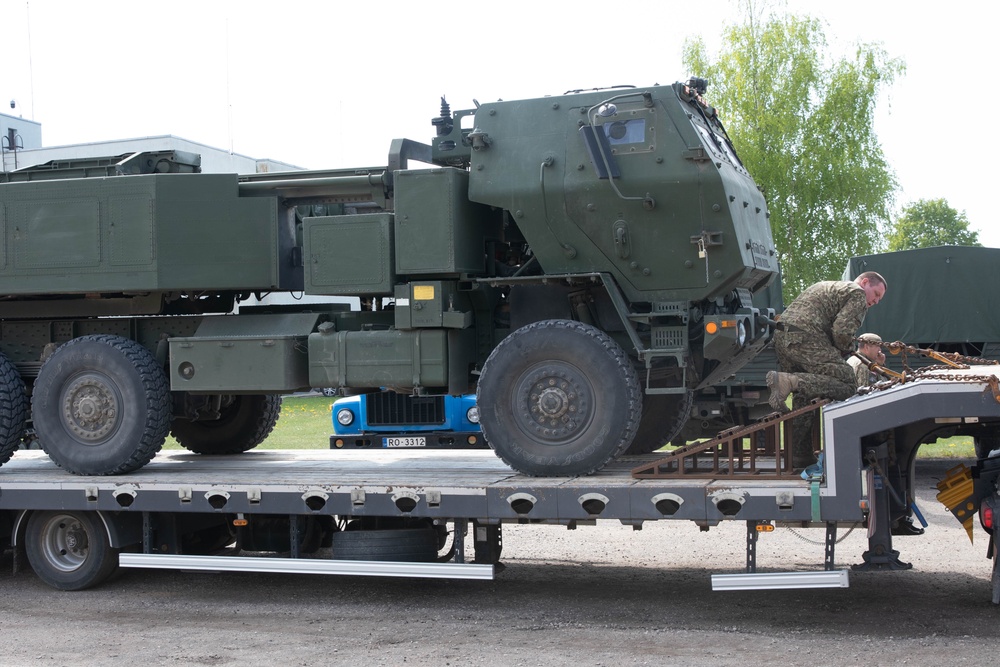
x=931 y=222
x=804 y=130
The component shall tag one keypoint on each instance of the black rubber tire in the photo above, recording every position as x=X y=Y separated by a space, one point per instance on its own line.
x=69 y=550
x=208 y=541
x=558 y=398
x=101 y=406
x=663 y=418
x=984 y=444
x=246 y=422
x=995 y=575
x=406 y=545
x=13 y=409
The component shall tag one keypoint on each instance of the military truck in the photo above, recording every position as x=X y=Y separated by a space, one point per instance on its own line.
x=932 y=303
x=585 y=262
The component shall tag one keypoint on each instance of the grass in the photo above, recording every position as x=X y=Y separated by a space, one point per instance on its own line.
x=959 y=447
x=305 y=424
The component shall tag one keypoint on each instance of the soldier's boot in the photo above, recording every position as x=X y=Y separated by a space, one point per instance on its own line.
x=780 y=385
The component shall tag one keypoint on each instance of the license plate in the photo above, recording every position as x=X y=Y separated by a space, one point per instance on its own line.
x=413 y=441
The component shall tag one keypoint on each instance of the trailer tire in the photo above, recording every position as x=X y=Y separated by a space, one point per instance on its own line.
x=69 y=550
x=663 y=418
x=558 y=397
x=406 y=545
x=246 y=421
x=984 y=444
x=101 y=405
x=13 y=409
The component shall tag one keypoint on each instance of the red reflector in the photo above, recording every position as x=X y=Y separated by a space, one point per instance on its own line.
x=987 y=513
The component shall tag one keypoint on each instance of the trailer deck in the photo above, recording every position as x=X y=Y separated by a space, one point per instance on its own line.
x=862 y=469
x=474 y=484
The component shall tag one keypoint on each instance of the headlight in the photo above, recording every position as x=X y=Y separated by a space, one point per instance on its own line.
x=345 y=417
x=741 y=333
x=472 y=414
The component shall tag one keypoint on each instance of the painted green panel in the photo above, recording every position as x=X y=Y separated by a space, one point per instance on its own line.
x=348 y=254
x=58 y=234
x=130 y=230
x=438 y=230
x=370 y=359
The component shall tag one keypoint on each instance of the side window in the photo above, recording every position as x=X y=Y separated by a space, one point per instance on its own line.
x=620 y=132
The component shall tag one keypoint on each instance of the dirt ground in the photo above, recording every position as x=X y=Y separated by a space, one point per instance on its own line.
x=598 y=595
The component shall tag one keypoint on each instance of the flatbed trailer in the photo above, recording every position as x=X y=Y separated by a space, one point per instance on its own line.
x=373 y=508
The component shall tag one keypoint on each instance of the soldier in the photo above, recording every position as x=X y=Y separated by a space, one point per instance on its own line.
x=869 y=351
x=816 y=332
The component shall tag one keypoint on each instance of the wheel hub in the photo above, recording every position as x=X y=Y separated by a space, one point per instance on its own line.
x=65 y=543
x=90 y=409
x=556 y=402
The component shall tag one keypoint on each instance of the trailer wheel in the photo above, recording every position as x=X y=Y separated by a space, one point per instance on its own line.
x=407 y=545
x=558 y=397
x=984 y=444
x=69 y=550
x=245 y=422
x=101 y=406
x=663 y=418
x=13 y=409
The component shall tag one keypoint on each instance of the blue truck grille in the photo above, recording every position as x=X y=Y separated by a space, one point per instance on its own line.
x=389 y=409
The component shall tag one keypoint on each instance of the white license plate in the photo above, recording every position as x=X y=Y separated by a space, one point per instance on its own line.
x=414 y=441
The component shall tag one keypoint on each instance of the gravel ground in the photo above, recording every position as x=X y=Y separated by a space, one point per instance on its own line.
x=604 y=595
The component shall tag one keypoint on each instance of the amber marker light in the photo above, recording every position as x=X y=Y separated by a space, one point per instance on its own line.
x=711 y=328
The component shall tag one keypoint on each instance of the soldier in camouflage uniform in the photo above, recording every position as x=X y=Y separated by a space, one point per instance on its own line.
x=869 y=351
x=815 y=335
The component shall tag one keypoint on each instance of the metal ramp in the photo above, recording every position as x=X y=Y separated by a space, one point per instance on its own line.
x=761 y=450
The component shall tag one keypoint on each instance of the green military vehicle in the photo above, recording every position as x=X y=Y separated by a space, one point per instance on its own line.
x=586 y=262
x=932 y=302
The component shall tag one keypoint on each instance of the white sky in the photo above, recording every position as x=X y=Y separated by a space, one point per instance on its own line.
x=328 y=84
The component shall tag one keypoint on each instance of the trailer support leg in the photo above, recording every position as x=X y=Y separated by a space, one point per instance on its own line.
x=461 y=526
x=488 y=543
x=831 y=543
x=880 y=554
x=752 y=536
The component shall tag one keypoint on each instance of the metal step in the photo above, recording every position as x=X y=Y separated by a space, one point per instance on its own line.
x=361 y=568
x=779 y=580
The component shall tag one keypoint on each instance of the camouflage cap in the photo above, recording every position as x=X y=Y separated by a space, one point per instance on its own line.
x=870 y=338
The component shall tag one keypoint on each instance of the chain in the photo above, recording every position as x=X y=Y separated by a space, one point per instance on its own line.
x=812 y=541
x=952 y=361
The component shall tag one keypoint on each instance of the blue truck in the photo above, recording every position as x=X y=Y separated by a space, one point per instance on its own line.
x=391 y=420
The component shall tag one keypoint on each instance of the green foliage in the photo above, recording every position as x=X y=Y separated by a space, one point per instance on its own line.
x=931 y=222
x=804 y=129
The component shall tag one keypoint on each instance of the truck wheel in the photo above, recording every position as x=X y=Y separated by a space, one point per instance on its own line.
x=663 y=418
x=69 y=550
x=101 y=406
x=13 y=409
x=245 y=422
x=558 y=397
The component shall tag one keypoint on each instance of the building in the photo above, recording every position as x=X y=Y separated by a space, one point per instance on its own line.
x=22 y=147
